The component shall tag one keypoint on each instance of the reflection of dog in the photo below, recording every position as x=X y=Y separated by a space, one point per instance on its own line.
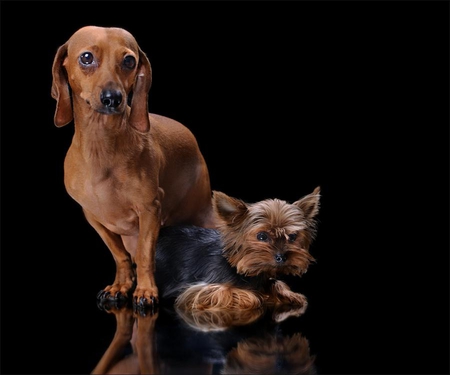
x=271 y=354
x=130 y=171
x=209 y=320
x=237 y=266
x=163 y=343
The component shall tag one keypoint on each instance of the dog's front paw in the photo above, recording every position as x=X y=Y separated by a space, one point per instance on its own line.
x=296 y=299
x=145 y=299
x=282 y=294
x=106 y=301
x=116 y=294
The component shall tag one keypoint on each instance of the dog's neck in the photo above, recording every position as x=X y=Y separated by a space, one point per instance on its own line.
x=101 y=137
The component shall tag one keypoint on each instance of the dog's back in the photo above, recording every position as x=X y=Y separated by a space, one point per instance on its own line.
x=187 y=193
x=187 y=255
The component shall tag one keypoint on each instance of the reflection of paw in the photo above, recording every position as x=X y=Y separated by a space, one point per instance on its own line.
x=218 y=320
x=284 y=312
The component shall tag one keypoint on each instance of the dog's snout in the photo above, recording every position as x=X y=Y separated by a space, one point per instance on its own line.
x=280 y=258
x=111 y=98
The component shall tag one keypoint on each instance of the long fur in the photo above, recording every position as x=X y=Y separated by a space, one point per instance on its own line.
x=192 y=257
x=238 y=265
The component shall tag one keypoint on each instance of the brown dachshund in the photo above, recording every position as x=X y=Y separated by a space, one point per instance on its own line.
x=131 y=171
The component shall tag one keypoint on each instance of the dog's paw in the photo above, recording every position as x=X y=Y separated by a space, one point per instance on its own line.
x=106 y=301
x=296 y=299
x=283 y=295
x=203 y=296
x=143 y=307
x=145 y=294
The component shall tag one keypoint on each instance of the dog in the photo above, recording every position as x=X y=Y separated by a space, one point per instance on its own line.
x=131 y=171
x=240 y=264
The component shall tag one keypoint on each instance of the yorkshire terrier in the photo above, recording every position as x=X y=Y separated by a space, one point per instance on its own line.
x=238 y=265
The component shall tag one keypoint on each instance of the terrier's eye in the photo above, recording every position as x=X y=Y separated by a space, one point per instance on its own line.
x=129 y=62
x=86 y=58
x=262 y=236
x=292 y=237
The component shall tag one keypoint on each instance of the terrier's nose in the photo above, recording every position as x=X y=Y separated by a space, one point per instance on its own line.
x=111 y=98
x=280 y=258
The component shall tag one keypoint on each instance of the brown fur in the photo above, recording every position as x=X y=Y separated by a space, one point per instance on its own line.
x=210 y=320
x=130 y=171
x=276 y=217
x=261 y=241
x=217 y=296
x=264 y=356
x=259 y=352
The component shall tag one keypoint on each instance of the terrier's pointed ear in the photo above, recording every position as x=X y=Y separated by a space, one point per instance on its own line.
x=310 y=204
x=139 y=103
x=60 y=89
x=229 y=209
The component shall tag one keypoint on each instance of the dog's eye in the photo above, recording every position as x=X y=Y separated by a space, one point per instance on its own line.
x=129 y=62
x=262 y=236
x=87 y=58
x=292 y=237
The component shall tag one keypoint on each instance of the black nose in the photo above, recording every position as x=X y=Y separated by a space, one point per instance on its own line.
x=111 y=98
x=280 y=258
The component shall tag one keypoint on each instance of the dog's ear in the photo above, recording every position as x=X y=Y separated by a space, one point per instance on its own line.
x=60 y=89
x=139 y=102
x=310 y=204
x=229 y=209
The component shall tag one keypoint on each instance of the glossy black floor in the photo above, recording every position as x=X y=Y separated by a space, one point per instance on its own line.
x=169 y=341
x=282 y=97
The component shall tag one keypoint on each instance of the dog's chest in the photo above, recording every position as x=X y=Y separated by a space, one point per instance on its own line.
x=109 y=196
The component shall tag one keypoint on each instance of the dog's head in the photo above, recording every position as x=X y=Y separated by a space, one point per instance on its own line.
x=101 y=67
x=269 y=237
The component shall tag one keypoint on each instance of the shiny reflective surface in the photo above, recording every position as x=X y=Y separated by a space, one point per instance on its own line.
x=352 y=96
x=223 y=342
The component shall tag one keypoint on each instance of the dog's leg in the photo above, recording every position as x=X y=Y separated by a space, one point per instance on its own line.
x=146 y=292
x=217 y=296
x=282 y=294
x=218 y=319
x=123 y=281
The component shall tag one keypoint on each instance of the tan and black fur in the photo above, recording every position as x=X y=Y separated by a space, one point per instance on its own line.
x=241 y=264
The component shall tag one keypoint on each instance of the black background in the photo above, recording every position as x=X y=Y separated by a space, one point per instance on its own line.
x=282 y=97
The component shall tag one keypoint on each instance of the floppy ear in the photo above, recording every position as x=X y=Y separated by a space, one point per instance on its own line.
x=139 y=102
x=60 y=89
x=310 y=203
